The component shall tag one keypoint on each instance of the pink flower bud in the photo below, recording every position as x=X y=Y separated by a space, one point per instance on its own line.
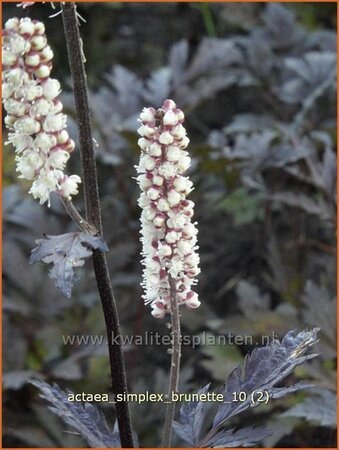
x=165 y=250
x=153 y=194
x=62 y=137
x=193 y=302
x=173 y=153
x=163 y=205
x=189 y=231
x=158 y=180
x=171 y=237
x=169 y=104
x=150 y=164
x=143 y=143
x=146 y=131
x=184 y=142
x=180 y=183
x=158 y=311
x=32 y=60
x=173 y=198
x=147 y=115
x=178 y=132
x=149 y=213
x=26 y=27
x=167 y=170
x=184 y=163
x=180 y=115
x=166 y=138
x=46 y=54
x=38 y=42
x=51 y=88
x=12 y=24
x=158 y=221
x=154 y=149
x=170 y=118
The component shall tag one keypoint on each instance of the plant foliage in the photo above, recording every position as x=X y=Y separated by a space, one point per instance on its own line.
x=85 y=418
x=261 y=372
x=66 y=252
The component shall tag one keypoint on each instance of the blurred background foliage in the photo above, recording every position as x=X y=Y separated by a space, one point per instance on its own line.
x=257 y=83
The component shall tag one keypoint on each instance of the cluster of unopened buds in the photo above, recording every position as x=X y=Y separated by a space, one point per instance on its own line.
x=34 y=112
x=169 y=237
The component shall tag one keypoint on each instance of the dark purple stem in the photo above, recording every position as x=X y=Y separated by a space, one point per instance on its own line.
x=93 y=216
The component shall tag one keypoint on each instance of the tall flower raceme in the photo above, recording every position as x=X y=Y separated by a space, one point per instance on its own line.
x=34 y=111
x=169 y=237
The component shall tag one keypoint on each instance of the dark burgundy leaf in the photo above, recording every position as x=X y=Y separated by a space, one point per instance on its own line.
x=66 y=252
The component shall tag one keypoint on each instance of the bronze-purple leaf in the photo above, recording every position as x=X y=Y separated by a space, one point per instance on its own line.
x=66 y=252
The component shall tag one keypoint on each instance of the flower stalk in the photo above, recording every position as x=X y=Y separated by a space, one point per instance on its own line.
x=77 y=218
x=175 y=365
x=93 y=216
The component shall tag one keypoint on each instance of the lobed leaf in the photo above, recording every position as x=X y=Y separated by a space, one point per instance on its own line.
x=245 y=437
x=192 y=415
x=85 y=418
x=66 y=252
x=262 y=371
x=321 y=407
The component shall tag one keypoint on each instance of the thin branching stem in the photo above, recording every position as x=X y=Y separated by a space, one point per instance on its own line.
x=77 y=218
x=93 y=217
x=175 y=364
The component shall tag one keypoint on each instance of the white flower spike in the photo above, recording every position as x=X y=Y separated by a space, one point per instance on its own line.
x=168 y=235
x=34 y=112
